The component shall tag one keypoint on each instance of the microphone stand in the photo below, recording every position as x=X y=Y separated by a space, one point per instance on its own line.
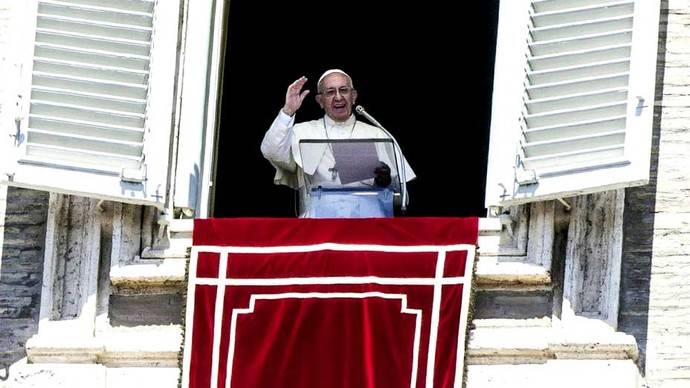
x=399 y=162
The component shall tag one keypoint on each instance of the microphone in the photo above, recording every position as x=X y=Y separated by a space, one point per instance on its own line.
x=399 y=162
x=360 y=110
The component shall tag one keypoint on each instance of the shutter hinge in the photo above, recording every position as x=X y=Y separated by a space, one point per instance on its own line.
x=133 y=175
x=640 y=105
x=18 y=118
x=525 y=177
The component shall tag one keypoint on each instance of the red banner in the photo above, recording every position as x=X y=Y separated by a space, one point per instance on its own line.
x=356 y=303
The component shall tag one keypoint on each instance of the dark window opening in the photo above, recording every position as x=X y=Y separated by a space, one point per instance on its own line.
x=424 y=70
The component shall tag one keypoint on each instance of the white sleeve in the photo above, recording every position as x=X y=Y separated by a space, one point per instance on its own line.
x=277 y=143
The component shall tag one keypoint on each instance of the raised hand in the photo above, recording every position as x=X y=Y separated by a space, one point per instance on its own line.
x=295 y=96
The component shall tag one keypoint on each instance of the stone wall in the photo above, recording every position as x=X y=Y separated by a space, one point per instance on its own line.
x=655 y=291
x=22 y=219
x=21 y=268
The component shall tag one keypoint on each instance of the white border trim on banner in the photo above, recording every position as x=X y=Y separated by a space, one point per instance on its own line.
x=323 y=295
x=333 y=247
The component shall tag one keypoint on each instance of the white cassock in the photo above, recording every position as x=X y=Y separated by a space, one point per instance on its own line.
x=282 y=148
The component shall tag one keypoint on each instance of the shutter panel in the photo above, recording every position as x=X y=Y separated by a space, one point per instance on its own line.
x=10 y=63
x=583 y=122
x=96 y=82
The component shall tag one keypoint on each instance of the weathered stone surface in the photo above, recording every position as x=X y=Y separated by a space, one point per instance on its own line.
x=126 y=233
x=656 y=252
x=512 y=304
x=144 y=346
x=149 y=277
x=517 y=253
x=142 y=377
x=135 y=310
x=593 y=254
x=23 y=375
x=567 y=373
x=21 y=269
x=151 y=345
x=530 y=341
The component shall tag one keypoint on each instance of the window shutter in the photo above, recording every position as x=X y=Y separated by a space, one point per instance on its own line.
x=100 y=99
x=10 y=63
x=573 y=98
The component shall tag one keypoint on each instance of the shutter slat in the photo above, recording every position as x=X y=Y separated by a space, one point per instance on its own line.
x=578 y=86
x=94 y=95
x=576 y=101
x=578 y=72
x=89 y=100
x=91 y=57
x=65 y=68
x=564 y=145
x=86 y=113
x=87 y=85
x=129 y=5
x=560 y=5
x=570 y=160
x=87 y=42
x=572 y=15
x=50 y=154
x=586 y=42
x=581 y=58
x=88 y=27
x=97 y=14
x=87 y=143
x=564 y=31
x=579 y=128
x=61 y=48
x=86 y=128
x=564 y=117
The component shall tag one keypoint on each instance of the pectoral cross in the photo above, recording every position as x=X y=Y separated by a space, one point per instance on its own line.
x=334 y=172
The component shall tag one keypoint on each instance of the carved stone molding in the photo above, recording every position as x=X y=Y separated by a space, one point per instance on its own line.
x=591 y=284
x=516 y=248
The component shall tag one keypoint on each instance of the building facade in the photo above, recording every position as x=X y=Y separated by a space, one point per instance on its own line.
x=578 y=281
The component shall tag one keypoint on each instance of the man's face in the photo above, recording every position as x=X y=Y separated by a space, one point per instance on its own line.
x=336 y=96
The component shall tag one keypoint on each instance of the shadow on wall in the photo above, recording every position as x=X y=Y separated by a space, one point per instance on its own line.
x=21 y=271
x=638 y=228
x=194 y=180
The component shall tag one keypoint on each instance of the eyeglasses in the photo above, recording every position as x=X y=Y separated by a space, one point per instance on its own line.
x=343 y=90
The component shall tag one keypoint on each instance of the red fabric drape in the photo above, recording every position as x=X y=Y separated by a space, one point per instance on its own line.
x=380 y=305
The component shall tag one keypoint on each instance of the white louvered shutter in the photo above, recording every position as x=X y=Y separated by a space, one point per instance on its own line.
x=100 y=86
x=573 y=98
